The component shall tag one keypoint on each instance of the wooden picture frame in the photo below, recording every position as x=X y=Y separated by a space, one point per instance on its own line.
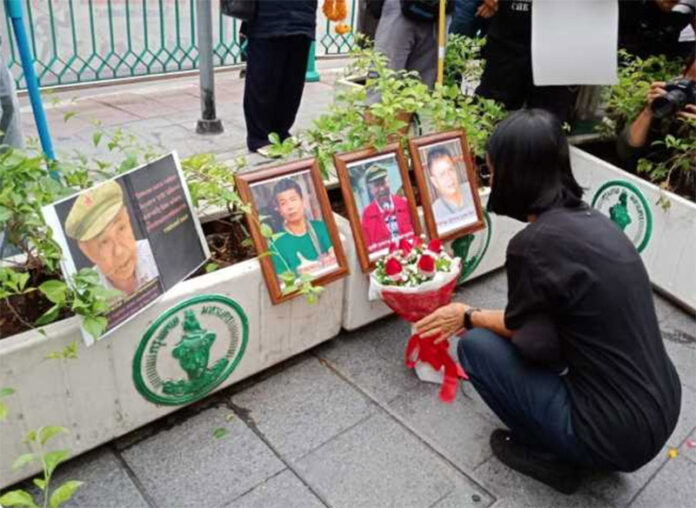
x=352 y=167
x=261 y=185
x=443 y=220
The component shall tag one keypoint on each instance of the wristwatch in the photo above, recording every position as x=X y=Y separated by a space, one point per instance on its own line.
x=467 y=317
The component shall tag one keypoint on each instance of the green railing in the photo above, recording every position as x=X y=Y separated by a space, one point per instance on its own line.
x=80 y=41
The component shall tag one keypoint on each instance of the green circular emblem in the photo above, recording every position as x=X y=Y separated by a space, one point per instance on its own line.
x=471 y=248
x=626 y=206
x=190 y=350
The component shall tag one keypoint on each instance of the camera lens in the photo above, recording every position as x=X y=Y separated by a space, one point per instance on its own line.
x=668 y=104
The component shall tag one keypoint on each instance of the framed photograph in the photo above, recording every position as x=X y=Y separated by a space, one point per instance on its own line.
x=292 y=222
x=446 y=179
x=379 y=199
x=139 y=233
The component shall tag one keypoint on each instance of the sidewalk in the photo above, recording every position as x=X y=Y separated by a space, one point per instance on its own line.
x=345 y=424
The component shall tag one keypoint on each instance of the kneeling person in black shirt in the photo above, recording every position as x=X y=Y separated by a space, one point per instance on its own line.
x=575 y=365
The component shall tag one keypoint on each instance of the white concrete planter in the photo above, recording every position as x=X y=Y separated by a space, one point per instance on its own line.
x=96 y=396
x=665 y=237
x=486 y=253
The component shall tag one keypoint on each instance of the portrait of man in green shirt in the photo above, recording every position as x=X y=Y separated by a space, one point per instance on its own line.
x=304 y=245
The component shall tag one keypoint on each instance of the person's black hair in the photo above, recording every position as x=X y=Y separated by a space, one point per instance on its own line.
x=286 y=184
x=439 y=152
x=530 y=163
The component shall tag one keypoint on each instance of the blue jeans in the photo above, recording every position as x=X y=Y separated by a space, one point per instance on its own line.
x=533 y=402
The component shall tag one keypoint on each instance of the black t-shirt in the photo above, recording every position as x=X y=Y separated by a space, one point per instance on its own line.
x=576 y=266
x=511 y=27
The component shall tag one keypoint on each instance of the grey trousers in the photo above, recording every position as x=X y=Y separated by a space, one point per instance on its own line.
x=407 y=44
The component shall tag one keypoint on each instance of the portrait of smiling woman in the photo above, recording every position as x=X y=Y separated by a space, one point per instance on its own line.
x=574 y=366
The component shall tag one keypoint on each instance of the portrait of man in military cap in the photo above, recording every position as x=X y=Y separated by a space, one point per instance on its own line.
x=386 y=216
x=101 y=226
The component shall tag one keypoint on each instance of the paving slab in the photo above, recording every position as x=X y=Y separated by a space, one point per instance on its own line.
x=285 y=490
x=186 y=466
x=620 y=488
x=106 y=482
x=687 y=417
x=672 y=487
x=455 y=429
x=373 y=358
x=303 y=407
x=378 y=463
x=684 y=359
x=517 y=490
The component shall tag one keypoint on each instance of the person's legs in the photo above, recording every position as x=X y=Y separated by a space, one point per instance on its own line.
x=423 y=55
x=504 y=76
x=533 y=402
x=263 y=83
x=555 y=99
x=293 y=82
x=395 y=39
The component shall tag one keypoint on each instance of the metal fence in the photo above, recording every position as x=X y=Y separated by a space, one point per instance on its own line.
x=79 y=41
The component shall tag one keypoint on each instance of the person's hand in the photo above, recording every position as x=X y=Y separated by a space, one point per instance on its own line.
x=487 y=9
x=656 y=90
x=688 y=113
x=444 y=322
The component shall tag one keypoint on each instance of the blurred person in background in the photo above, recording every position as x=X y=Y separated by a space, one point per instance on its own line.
x=278 y=42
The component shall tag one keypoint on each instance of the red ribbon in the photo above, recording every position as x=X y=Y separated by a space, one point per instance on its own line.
x=437 y=356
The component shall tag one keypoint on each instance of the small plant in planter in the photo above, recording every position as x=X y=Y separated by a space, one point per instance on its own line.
x=672 y=163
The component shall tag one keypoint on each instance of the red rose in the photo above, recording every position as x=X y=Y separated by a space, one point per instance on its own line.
x=393 y=247
x=405 y=246
x=426 y=265
x=435 y=246
x=393 y=269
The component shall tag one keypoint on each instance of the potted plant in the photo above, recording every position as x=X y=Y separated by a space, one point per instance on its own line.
x=139 y=372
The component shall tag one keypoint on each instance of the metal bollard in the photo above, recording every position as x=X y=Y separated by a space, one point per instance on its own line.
x=312 y=76
x=208 y=123
x=14 y=11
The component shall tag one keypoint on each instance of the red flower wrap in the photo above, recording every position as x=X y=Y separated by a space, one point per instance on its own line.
x=413 y=307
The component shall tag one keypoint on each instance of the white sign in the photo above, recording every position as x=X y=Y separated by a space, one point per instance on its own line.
x=575 y=43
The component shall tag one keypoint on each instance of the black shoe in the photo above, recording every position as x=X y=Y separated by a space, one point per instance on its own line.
x=555 y=473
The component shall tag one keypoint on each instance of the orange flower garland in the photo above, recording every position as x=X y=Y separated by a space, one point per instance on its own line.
x=337 y=11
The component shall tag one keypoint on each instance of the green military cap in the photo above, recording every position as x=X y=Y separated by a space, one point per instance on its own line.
x=93 y=211
x=375 y=172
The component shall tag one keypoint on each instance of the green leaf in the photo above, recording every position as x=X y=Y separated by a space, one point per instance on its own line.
x=5 y=213
x=23 y=460
x=274 y=138
x=40 y=483
x=30 y=437
x=95 y=326
x=96 y=137
x=211 y=267
x=70 y=114
x=17 y=498
x=54 y=290
x=47 y=433
x=220 y=432
x=49 y=316
x=4 y=392
x=53 y=459
x=64 y=493
x=3 y=412
x=266 y=231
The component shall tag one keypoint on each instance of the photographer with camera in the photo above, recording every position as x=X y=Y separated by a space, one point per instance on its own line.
x=667 y=106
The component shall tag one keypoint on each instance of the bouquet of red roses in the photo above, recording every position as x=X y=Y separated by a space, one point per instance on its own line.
x=414 y=280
